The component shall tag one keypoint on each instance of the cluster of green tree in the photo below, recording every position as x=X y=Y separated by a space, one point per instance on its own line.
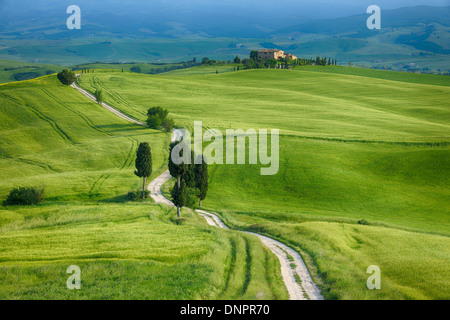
x=318 y=62
x=19 y=76
x=207 y=61
x=98 y=94
x=167 y=68
x=192 y=181
x=155 y=68
x=254 y=62
x=157 y=118
x=21 y=67
x=88 y=70
x=24 y=196
x=66 y=77
x=136 y=69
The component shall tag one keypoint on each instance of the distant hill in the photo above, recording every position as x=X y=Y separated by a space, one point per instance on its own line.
x=404 y=17
x=17 y=71
x=411 y=39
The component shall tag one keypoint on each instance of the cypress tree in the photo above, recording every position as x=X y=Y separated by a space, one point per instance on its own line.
x=143 y=163
x=201 y=180
x=177 y=171
x=179 y=195
x=189 y=176
x=66 y=77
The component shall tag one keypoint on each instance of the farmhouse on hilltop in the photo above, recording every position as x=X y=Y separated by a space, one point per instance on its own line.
x=267 y=54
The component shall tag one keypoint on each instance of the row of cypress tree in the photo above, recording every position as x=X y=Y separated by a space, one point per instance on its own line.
x=192 y=179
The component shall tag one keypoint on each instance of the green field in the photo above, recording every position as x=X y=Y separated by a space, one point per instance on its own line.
x=355 y=144
x=11 y=71
x=51 y=136
x=128 y=251
x=148 y=68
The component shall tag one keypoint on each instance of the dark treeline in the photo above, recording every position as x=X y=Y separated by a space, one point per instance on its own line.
x=254 y=62
x=136 y=67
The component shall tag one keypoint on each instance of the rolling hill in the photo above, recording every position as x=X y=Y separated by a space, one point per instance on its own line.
x=54 y=137
x=411 y=39
x=356 y=146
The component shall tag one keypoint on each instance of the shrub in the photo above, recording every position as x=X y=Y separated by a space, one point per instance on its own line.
x=98 y=96
x=66 y=77
x=168 y=124
x=135 y=69
x=363 y=222
x=154 y=121
x=137 y=195
x=24 y=196
x=157 y=117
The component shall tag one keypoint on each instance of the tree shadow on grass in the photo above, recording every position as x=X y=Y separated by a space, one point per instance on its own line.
x=116 y=127
x=122 y=198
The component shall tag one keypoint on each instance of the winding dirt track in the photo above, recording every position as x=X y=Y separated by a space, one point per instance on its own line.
x=108 y=107
x=292 y=264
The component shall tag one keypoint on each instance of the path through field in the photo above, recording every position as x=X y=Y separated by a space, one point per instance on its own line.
x=296 y=277
x=108 y=107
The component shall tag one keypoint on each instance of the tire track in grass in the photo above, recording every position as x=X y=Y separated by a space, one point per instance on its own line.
x=11 y=98
x=95 y=188
x=41 y=116
x=42 y=165
x=231 y=267
x=115 y=95
x=103 y=181
x=82 y=116
x=248 y=267
x=52 y=124
x=296 y=292
x=106 y=106
x=129 y=158
x=268 y=276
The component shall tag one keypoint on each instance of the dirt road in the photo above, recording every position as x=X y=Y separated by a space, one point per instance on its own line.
x=104 y=105
x=295 y=275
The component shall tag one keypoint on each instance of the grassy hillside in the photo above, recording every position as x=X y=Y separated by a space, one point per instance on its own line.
x=355 y=145
x=203 y=70
x=148 y=68
x=310 y=104
x=52 y=137
x=16 y=71
x=83 y=155
x=128 y=251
